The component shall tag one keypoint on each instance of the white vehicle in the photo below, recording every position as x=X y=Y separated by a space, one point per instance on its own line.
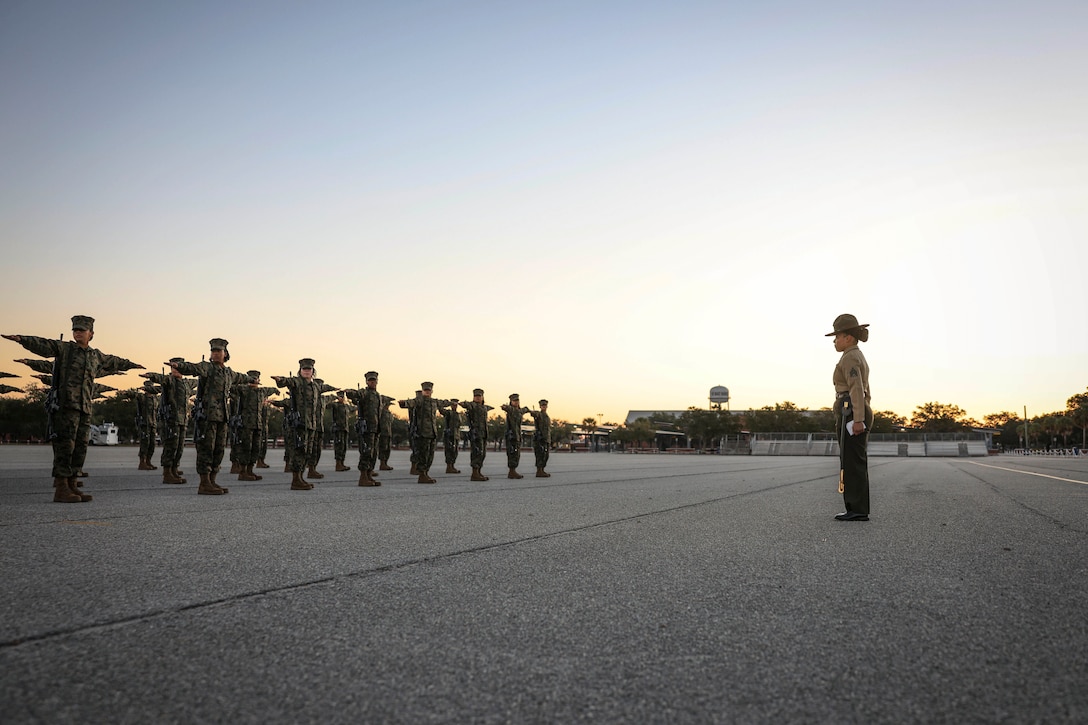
x=104 y=435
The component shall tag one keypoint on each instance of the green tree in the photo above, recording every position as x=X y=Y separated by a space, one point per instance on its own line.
x=783 y=417
x=939 y=418
x=1006 y=424
x=1077 y=410
x=561 y=431
x=885 y=421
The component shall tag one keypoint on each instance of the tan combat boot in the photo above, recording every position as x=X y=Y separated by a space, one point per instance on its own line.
x=340 y=465
x=211 y=477
x=477 y=476
x=286 y=467
x=297 y=482
x=540 y=473
x=312 y=473
x=366 y=480
x=385 y=466
x=261 y=463
x=61 y=492
x=206 y=488
x=235 y=467
x=143 y=465
x=424 y=478
x=414 y=470
x=73 y=487
x=514 y=474
x=451 y=469
x=168 y=476
x=151 y=466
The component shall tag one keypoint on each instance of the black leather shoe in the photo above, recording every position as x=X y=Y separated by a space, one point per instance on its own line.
x=851 y=516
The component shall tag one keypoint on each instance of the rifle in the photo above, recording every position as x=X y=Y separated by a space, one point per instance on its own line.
x=52 y=398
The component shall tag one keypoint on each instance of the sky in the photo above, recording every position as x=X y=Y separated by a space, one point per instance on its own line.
x=611 y=205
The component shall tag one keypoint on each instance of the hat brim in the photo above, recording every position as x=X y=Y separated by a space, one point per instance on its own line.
x=847 y=330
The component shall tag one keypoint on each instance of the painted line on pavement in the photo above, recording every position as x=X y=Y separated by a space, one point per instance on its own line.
x=1029 y=473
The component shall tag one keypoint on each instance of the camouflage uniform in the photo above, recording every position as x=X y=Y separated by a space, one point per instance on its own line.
x=303 y=405
x=424 y=409
x=173 y=417
x=147 y=405
x=476 y=418
x=76 y=369
x=542 y=438
x=248 y=403
x=213 y=390
x=514 y=414
x=317 y=443
x=385 y=434
x=369 y=410
x=262 y=443
x=339 y=430
x=452 y=436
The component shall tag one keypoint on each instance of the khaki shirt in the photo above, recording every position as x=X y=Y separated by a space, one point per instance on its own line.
x=852 y=375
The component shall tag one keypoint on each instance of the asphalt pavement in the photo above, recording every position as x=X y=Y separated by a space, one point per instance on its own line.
x=624 y=589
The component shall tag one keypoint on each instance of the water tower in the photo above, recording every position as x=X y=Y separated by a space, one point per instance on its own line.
x=719 y=394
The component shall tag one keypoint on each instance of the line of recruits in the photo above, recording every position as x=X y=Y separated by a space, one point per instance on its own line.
x=235 y=404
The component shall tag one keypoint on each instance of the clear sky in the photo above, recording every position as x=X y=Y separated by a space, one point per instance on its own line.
x=613 y=205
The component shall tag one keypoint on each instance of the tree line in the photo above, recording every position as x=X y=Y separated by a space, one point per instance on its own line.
x=707 y=428
x=23 y=419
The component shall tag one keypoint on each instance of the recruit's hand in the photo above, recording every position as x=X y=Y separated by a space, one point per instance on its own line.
x=857 y=427
x=139 y=367
x=16 y=338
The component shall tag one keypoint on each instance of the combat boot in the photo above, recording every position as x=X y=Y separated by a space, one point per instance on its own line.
x=151 y=466
x=340 y=465
x=477 y=476
x=236 y=467
x=286 y=467
x=540 y=473
x=514 y=474
x=177 y=474
x=414 y=470
x=261 y=463
x=366 y=480
x=61 y=492
x=312 y=473
x=84 y=497
x=143 y=465
x=168 y=476
x=247 y=474
x=451 y=469
x=424 y=478
x=385 y=466
x=207 y=488
x=211 y=477
x=298 y=484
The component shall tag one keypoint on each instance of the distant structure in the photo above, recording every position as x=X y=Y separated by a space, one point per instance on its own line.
x=719 y=394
